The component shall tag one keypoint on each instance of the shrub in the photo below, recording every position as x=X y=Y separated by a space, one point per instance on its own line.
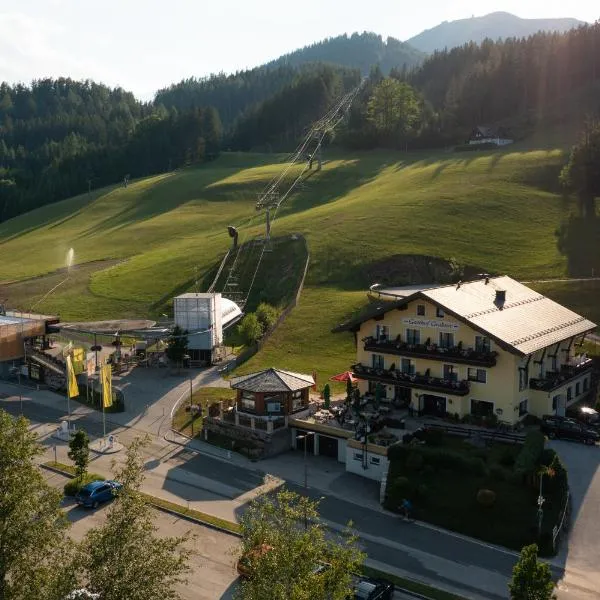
x=428 y=470
x=530 y=454
x=531 y=420
x=497 y=473
x=393 y=423
x=407 y=438
x=250 y=329
x=507 y=459
x=486 y=498
x=74 y=485
x=421 y=491
x=266 y=315
x=415 y=461
x=433 y=437
x=398 y=489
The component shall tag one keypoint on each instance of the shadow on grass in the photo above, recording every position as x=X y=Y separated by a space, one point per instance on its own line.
x=578 y=239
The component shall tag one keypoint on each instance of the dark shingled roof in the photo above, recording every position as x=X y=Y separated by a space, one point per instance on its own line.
x=272 y=380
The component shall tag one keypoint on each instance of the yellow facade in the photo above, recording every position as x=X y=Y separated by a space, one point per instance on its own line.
x=487 y=372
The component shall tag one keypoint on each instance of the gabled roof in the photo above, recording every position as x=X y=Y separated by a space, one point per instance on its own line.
x=272 y=380
x=525 y=322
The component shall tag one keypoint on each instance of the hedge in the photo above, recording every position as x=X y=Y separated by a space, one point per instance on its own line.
x=440 y=458
x=529 y=457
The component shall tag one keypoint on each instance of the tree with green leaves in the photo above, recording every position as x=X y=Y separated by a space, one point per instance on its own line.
x=393 y=109
x=79 y=452
x=349 y=390
x=124 y=558
x=531 y=579
x=177 y=345
x=250 y=329
x=327 y=395
x=289 y=569
x=36 y=561
x=582 y=173
x=266 y=315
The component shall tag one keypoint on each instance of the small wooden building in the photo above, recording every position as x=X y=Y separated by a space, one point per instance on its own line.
x=272 y=392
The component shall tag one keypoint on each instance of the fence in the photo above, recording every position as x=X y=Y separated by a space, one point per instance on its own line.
x=563 y=524
x=252 y=350
x=485 y=434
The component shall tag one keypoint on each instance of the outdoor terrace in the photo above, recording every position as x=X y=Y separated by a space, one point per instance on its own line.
x=416 y=380
x=456 y=354
x=555 y=379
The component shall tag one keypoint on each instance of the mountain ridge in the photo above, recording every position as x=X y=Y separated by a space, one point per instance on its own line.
x=499 y=24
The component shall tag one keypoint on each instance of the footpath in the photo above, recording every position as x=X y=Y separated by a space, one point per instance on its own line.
x=216 y=482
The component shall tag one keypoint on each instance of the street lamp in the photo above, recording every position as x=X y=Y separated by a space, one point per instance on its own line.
x=304 y=437
x=366 y=432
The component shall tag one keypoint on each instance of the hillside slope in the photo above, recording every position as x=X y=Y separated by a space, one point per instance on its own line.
x=493 y=26
x=492 y=210
x=357 y=51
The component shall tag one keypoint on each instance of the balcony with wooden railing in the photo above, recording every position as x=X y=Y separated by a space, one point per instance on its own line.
x=555 y=379
x=412 y=380
x=456 y=354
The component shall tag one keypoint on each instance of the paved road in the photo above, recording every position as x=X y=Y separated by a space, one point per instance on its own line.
x=581 y=555
x=212 y=562
x=219 y=488
x=475 y=569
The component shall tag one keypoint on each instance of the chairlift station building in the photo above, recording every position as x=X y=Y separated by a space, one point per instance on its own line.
x=204 y=316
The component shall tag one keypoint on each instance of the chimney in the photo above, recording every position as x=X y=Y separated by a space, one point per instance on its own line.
x=500 y=297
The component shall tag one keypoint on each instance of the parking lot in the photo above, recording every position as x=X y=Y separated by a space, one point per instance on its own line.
x=212 y=576
x=580 y=556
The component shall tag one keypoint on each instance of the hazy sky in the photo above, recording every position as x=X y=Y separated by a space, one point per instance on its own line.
x=143 y=45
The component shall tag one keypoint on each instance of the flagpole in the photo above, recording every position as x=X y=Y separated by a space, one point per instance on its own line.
x=103 y=417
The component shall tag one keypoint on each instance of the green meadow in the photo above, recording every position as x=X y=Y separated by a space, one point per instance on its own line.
x=138 y=246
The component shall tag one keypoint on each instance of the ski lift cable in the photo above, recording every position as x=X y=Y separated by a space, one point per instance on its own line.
x=347 y=100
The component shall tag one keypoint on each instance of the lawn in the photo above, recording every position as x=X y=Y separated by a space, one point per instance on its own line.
x=191 y=423
x=497 y=211
x=447 y=496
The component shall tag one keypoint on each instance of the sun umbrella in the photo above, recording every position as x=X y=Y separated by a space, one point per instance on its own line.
x=345 y=376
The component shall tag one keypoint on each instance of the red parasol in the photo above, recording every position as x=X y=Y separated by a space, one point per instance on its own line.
x=344 y=377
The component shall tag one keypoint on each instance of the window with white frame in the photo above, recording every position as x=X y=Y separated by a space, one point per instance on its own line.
x=273 y=403
x=296 y=400
x=585 y=384
x=446 y=340
x=450 y=373
x=382 y=333
x=420 y=310
x=577 y=388
x=482 y=343
x=413 y=336
x=248 y=401
x=522 y=408
x=358 y=456
x=439 y=312
x=407 y=366
x=378 y=361
x=374 y=460
x=569 y=393
x=523 y=378
x=479 y=375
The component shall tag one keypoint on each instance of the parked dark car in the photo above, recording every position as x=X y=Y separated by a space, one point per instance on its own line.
x=568 y=429
x=585 y=414
x=96 y=492
x=366 y=588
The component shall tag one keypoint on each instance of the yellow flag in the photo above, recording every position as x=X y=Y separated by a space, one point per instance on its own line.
x=78 y=360
x=72 y=387
x=106 y=375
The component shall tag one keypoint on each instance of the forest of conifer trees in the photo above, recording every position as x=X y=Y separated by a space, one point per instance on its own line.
x=62 y=137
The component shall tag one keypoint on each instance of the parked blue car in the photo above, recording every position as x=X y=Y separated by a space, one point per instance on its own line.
x=96 y=492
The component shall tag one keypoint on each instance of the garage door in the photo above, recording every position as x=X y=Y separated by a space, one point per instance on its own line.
x=328 y=446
